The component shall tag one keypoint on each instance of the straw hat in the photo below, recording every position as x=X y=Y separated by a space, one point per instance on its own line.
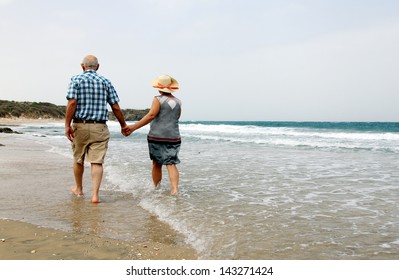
x=165 y=83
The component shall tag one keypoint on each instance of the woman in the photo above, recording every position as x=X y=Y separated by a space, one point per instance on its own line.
x=164 y=136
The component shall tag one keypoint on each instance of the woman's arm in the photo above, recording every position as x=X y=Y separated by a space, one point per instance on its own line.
x=155 y=107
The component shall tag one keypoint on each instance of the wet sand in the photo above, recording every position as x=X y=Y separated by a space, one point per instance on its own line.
x=24 y=241
x=41 y=219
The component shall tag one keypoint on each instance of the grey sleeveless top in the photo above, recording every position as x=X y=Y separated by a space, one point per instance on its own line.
x=165 y=127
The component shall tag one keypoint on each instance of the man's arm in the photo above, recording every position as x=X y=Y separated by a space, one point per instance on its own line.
x=119 y=116
x=70 y=111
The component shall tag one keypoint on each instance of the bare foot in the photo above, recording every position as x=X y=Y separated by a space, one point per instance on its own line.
x=76 y=192
x=95 y=199
x=173 y=192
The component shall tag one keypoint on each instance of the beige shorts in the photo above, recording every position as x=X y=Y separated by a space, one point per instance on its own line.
x=90 y=142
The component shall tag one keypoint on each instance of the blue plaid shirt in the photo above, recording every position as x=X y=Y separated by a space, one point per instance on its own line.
x=92 y=93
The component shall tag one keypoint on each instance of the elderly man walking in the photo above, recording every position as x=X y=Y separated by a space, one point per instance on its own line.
x=85 y=122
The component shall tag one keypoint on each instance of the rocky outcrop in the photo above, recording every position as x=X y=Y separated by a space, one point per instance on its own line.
x=31 y=110
x=8 y=130
x=45 y=110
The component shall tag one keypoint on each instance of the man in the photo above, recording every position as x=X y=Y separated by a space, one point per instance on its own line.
x=88 y=95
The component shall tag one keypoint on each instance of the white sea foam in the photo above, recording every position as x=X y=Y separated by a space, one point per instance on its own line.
x=293 y=137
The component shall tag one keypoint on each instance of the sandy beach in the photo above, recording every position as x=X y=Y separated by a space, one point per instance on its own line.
x=41 y=220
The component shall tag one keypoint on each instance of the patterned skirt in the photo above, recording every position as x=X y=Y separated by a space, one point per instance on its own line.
x=164 y=152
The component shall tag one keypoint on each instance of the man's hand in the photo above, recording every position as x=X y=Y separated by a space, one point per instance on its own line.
x=126 y=130
x=70 y=111
x=69 y=133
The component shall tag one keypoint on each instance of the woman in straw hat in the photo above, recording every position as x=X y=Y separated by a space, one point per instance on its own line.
x=164 y=136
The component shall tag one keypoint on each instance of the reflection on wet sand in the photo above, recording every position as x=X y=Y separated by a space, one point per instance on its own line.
x=118 y=216
x=86 y=217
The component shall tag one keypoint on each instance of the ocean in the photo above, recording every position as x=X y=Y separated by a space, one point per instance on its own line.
x=265 y=190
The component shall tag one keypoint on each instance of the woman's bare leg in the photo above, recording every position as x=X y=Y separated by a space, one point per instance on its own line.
x=174 y=178
x=156 y=173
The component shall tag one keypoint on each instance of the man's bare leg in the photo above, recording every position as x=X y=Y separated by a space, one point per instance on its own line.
x=156 y=173
x=78 y=170
x=174 y=178
x=96 y=178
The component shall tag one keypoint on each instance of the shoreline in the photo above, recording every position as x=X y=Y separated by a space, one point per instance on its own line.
x=41 y=220
x=21 y=121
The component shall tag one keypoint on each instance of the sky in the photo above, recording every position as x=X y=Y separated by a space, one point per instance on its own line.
x=249 y=60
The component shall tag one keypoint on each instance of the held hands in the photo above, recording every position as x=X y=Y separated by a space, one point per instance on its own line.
x=127 y=130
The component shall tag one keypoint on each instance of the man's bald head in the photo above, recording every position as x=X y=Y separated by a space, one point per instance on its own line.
x=90 y=62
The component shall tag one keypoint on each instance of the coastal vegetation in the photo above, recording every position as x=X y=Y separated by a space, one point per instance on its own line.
x=45 y=110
